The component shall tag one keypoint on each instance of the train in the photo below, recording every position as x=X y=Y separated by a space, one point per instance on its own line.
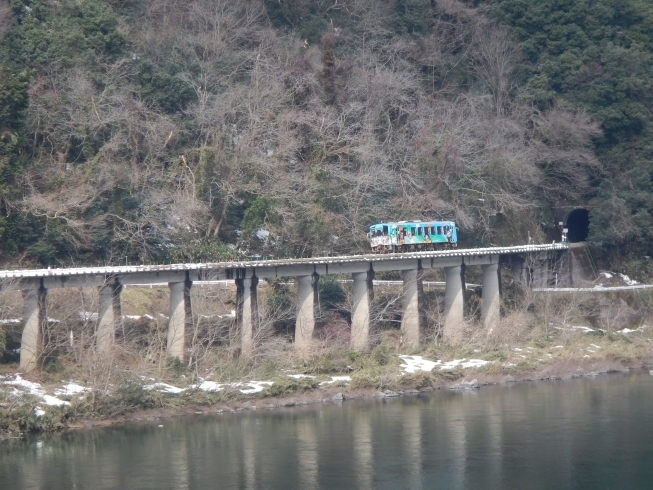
x=412 y=236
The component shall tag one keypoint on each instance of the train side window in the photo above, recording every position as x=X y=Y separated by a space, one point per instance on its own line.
x=420 y=231
x=439 y=230
x=385 y=230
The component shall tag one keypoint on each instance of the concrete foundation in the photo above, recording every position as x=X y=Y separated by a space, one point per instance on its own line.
x=519 y=271
x=109 y=316
x=412 y=321
x=306 y=304
x=490 y=309
x=540 y=271
x=361 y=313
x=247 y=313
x=33 y=325
x=540 y=275
x=453 y=304
x=181 y=315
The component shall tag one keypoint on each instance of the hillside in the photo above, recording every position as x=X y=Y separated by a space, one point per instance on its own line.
x=158 y=130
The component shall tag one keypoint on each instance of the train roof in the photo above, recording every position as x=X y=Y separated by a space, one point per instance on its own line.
x=415 y=222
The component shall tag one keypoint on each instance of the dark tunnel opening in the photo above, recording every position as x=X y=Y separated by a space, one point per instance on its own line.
x=578 y=224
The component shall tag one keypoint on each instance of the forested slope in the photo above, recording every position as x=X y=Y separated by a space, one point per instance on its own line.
x=165 y=130
x=598 y=55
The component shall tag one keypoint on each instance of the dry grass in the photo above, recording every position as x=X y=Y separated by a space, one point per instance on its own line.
x=535 y=338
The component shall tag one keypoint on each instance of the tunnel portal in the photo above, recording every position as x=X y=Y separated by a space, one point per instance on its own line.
x=578 y=224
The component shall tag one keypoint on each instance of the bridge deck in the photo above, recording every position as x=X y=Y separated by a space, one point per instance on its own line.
x=132 y=269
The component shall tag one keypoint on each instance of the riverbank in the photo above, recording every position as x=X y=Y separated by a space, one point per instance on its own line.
x=541 y=336
x=107 y=392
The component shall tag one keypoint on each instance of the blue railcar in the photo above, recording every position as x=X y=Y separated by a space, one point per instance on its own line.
x=404 y=236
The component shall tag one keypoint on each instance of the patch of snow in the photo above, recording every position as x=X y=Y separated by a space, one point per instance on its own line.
x=628 y=280
x=607 y=275
x=628 y=330
x=39 y=412
x=10 y=320
x=34 y=389
x=509 y=364
x=164 y=388
x=300 y=376
x=581 y=328
x=595 y=346
x=54 y=401
x=256 y=386
x=262 y=234
x=231 y=314
x=464 y=363
x=211 y=386
x=559 y=347
x=517 y=349
x=71 y=389
x=412 y=364
x=87 y=316
x=336 y=379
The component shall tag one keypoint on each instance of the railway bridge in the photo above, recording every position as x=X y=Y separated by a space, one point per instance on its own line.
x=35 y=283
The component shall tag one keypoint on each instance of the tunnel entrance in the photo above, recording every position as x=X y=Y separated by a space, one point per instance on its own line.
x=578 y=224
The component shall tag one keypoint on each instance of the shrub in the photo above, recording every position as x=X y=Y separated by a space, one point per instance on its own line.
x=447 y=374
x=420 y=379
x=364 y=379
x=284 y=386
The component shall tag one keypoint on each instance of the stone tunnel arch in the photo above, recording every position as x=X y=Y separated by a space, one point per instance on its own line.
x=578 y=224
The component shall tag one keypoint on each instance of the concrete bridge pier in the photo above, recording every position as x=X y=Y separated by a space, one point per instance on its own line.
x=412 y=320
x=490 y=309
x=181 y=316
x=541 y=271
x=109 y=315
x=247 y=316
x=453 y=303
x=361 y=313
x=519 y=271
x=34 y=322
x=307 y=298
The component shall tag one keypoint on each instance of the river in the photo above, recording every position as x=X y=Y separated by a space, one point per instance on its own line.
x=574 y=434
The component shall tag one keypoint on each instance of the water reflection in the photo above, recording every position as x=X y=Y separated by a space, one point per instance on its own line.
x=572 y=434
x=363 y=451
x=307 y=455
x=412 y=445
